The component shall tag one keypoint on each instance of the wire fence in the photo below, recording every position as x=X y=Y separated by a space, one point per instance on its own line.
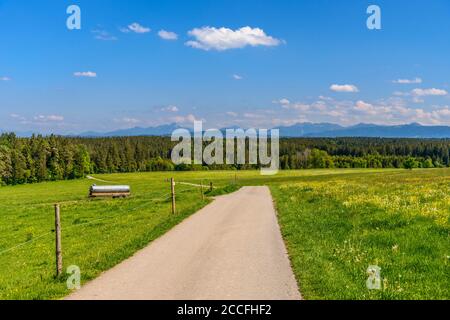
x=118 y=212
x=26 y=243
x=116 y=216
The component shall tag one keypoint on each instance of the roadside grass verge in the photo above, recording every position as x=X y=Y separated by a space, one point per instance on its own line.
x=336 y=228
x=230 y=188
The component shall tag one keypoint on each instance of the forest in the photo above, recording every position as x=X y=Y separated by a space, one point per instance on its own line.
x=49 y=158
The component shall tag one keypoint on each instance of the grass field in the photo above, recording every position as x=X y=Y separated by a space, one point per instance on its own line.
x=335 y=222
x=335 y=227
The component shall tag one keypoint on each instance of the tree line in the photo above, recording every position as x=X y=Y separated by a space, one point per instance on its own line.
x=49 y=158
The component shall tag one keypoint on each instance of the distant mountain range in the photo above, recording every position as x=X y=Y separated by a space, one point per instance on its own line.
x=164 y=130
x=413 y=130
x=307 y=129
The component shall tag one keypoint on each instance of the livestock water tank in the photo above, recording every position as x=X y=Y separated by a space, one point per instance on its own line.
x=110 y=191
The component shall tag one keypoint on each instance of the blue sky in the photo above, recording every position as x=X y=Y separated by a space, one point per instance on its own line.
x=253 y=63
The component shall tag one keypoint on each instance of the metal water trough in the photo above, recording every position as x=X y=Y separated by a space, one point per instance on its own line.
x=109 y=191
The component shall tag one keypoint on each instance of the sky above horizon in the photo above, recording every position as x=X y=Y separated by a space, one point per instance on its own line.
x=252 y=63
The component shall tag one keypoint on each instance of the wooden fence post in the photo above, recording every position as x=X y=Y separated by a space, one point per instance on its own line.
x=59 y=261
x=211 y=187
x=201 y=190
x=172 y=187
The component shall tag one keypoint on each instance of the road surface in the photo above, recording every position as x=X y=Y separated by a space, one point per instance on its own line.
x=230 y=250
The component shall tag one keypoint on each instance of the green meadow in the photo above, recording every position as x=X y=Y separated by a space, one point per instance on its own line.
x=336 y=223
x=336 y=227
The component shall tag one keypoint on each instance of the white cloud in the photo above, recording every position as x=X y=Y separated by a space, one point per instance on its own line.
x=251 y=115
x=286 y=104
x=401 y=94
x=417 y=100
x=344 y=88
x=237 y=77
x=442 y=114
x=220 y=39
x=297 y=106
x=136 y=28
x=49 y=118
x=170 y=109
x=16 y=116
x=283 y=101
x=391 y=111
x=85 y=74
x=127 y=120
x=320 y=106
x=41 y=120
x=190 y=118
x=408 y=81
x=370 y=109
x=324 y=98
x=5 y=79
x=395 y=111
x=103 y=35
x=364 y=107
x=428 y=92
x=167 y=35
x=418 y=94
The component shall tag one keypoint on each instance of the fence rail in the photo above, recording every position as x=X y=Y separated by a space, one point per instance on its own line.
x=59 y=213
